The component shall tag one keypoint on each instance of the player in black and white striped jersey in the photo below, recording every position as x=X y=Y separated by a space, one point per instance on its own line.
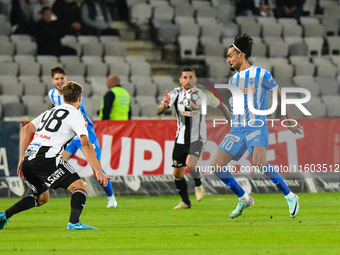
x=41 y=164
x=190 y=137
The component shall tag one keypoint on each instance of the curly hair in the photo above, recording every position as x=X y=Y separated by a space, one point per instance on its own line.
x=243 y=43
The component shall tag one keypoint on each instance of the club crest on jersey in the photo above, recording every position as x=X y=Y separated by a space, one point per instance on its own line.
x=251 y=81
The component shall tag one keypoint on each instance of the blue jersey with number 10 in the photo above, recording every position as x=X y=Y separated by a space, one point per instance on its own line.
x=259 y=81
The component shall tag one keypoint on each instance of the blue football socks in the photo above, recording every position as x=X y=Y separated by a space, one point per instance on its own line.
x=229 y=180
x=272 y=174
x=108 y=189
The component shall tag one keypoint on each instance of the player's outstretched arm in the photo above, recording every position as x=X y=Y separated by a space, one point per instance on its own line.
x=90 y=155
x=295 y=129
x=223 y=108
x=165 y=103
x=25 y=136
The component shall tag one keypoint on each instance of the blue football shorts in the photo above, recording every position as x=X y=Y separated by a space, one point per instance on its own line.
x=237 y=141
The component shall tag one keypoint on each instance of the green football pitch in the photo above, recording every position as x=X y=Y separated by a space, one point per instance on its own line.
x=149 y=225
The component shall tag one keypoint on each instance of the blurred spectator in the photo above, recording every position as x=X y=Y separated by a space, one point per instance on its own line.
x=37 y=7
x=96 y=15
x=116 y=103
x=48 y=36
x=21 y=17
x=68 y=14
x=253 y=8
x=289 y=8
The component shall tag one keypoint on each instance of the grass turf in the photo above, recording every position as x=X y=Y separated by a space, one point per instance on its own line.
x=149 y=225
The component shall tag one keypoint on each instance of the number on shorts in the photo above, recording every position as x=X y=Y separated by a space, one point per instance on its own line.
x=53 y=122
x=228 y=144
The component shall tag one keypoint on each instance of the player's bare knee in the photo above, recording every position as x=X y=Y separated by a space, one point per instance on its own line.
x=78 y=184
x=43 y=199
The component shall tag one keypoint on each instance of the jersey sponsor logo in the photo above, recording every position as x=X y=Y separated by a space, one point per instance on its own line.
x=245 y=90
x=233 y=137
x=252 y=135
x=44 y=136
x=189 y=114
x=55 y=176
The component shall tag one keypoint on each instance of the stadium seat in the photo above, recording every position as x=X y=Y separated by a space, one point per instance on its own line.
x=298 y=49
x=287 y=21
x=155 y=3
x=140 y=14
x=130 y=3
x=315 y=45
x=97 y=69
x=250 y=28
x=292 y=30
x=34 y=88
x=9 y=69
x=164 y=31
x=328 y=85
x=45 y=59
x=130 y=87
x=75 y=68
x=211 y=30
x=68 y=38
x=5 y=27
x=184 y=20
x=6 y=59
x=26 y=47
x=229 y=29
x=92 y=49
x=165 y=86
x=35 y=110
x=20 y=38
x=162 y=79
x=316 y=108
x=75 y=45
x=309 y=20
x=273 y=39
x=227 y=41
x=146 y=89
x=89 y=107
x=313 y=30
x=214 y=49
x=13 y=109
x=331 y=26
x=245 y=19
x=225 y=12
x=7 y=48
x=278 y=49
x=96 y=101
x=120 y=68
x=83 y=39
x=271 y=29
x=140 y=79
x=183 y=10
x=26 y=68
x=262 y=62
x=304 y=68
x=149 y=110
x=46 y=67
x=259 y=49
x=144 y=100
x=333 y=45
x=307 y=82
x=115 y=49
x=188 y=47
x=134 y=59
x=98 y=84
x=189 y=29
x=293 y=39
x=77 y=78
x=12 y=88
x=219 y=70
x=164 y=12
x=69 y=59
x=333 y=105
x=283 y=70
x=135 y=109
x=109 y=38
x=92 y=59
x=206 y=20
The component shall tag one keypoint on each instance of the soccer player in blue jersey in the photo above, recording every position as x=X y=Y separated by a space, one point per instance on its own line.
x=253 y=136
x=59 y=79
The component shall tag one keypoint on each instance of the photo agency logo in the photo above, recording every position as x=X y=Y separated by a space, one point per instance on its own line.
x=246 y=110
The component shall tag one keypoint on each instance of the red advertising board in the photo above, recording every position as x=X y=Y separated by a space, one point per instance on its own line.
x=144 y=147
